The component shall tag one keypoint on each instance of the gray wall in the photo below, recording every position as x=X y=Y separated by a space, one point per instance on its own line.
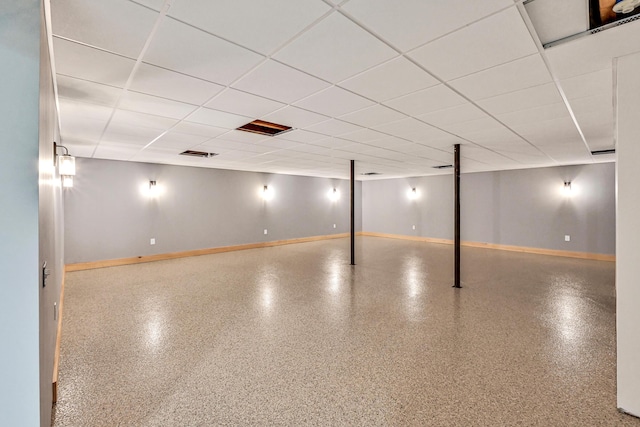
x=107 y=215
x=519 y=207
x=30 y=218
x=627 y=266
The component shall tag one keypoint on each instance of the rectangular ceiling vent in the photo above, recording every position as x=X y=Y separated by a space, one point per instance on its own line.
x=599 y=152
x=370 y=173
x=264 y=128
x=443 y=167
x=198 y=154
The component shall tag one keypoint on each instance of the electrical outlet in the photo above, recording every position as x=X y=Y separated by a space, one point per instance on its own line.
x=334 y=226
x=152 y=241
x=414 y=227
x=567 y=238
x=265 y=231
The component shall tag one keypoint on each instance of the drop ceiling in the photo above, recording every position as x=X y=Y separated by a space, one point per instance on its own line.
x=392 y=84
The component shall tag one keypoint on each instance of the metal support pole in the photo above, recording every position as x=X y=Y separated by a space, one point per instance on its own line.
x=456 y=189
x=353 y=214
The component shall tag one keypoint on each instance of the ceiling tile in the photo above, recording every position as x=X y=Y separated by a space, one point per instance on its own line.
x=533 y=115
x=457 y=114
x=158 y=81
x=135 y=119
x=323 y=52
x=427 y=101
x=199 y=129
x=242 y=136
x=180 y=47
x=261 y=26
x=83 y=121
x=598 y=104
x=151 y=4
x=220 y=119
x=471 y=126
x=392 y=79
x=590 y=84
x=406 y=23
x=86 y=91
x=532 y=97
x=143 y=103
x=237 y=102
x=595 y=52
x=298 y=135
x=295 y=117
x=373 y=116
x=548 y=130
x=492 y=41
x=555 y=20
x=334 y=102
x=332 y=142
x=75 y=60
x=178 y=141
x=334 y=127
x=567 y=150
x=118 y=26
x=280 y=82
x=520 y=74
x=126 y=134
x=116 y=151
x=411 y=129
x=364 y=135
x=279 y=143
x=494 y=137
x=220 y=143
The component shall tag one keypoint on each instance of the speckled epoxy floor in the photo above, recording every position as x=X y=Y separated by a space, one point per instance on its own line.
x=295 y=336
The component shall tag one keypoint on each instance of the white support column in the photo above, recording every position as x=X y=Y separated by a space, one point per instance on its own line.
x=628 y=233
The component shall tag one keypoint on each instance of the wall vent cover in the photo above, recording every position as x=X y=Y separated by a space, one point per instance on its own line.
x=443 y=167
x=264 y=128
x=599 y=152
x=198 y=154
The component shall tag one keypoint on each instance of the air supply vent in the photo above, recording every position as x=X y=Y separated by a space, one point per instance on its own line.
x=198 y=154
x=370 y=173
x=599 y=152
x=264 y=128
x=443 y=167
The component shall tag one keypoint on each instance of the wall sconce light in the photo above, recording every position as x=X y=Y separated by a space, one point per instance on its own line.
x=267 y=193
x=334 y=195
x=413 y=193
x=66 y=166
x=567 y=188
x=67 y=181
x=154 y=189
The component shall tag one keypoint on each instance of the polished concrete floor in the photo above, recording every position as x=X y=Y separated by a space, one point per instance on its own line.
x=295 y=336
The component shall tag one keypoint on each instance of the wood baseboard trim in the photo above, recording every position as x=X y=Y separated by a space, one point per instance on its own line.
x=538 y=251
x=56 y=355
x=197 y=252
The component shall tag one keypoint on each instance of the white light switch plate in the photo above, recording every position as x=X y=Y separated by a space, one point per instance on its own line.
x=567 y=238
x=265 y=231
x=152 y=241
